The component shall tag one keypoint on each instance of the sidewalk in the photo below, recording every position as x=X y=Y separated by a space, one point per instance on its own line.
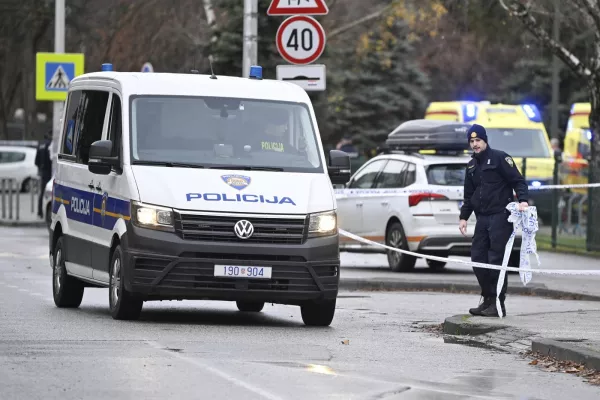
x=371 y=272
x=568 y=337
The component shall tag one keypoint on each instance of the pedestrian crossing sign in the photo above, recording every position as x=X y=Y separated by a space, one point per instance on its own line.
x=54 y=72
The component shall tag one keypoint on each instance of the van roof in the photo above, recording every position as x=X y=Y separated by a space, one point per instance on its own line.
x=184 y=84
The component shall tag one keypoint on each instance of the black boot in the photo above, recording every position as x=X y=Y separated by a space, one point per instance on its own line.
x=485 y=304
x=491 y=311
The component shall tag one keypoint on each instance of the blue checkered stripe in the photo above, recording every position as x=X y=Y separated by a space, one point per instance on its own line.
x=90 y=208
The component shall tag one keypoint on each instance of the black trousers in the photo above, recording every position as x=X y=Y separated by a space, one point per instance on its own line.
x=44 y=182
x=489 y=241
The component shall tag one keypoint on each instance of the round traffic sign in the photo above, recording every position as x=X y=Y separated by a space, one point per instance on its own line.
x=300 y=39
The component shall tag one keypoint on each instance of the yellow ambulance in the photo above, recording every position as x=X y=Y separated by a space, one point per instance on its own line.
x=516 y=129
x=577 y=146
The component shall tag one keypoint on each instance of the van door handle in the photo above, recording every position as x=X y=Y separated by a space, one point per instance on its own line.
x=359 y=204
x=384 y=203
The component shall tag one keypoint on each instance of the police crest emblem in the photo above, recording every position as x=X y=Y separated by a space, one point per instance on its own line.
x=509 y=161
x=238 y=182
x=473 y=134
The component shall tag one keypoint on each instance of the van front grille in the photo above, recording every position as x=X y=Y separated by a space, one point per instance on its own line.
x=214 y=228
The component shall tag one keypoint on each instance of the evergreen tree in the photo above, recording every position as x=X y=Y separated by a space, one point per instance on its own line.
x=382 y=86
x=227 y=50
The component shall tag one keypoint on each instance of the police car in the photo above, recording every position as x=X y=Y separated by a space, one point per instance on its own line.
x=188 y=186
x=411 y=197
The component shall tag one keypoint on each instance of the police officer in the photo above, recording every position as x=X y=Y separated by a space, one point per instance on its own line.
x=490 y=180
x=44 y=164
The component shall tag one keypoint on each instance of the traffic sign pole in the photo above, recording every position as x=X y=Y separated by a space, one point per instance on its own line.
x=57 y=106
x=250 y=50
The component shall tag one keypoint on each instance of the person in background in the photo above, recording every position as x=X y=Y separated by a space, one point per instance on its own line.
x=43 y=162
x=491 y=177
x=347 y=146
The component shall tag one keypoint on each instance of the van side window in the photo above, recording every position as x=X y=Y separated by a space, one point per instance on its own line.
x=70 y=118
x=90 y=122
x=115 y=125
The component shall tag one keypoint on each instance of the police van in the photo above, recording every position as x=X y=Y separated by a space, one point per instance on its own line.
x=189 y=186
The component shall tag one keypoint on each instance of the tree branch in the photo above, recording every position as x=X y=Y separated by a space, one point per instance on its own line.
x=587 y=7
x=359 y=21
x=522 y=12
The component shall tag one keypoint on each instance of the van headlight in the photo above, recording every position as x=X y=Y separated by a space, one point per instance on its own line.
x=322 y=224
x=153 y=217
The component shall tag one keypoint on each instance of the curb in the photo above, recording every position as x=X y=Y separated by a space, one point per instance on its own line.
x=461 y=325
x=565 y=351
x=449 y=287
x=23 y=224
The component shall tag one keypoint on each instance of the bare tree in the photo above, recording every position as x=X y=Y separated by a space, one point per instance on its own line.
x=586 y=67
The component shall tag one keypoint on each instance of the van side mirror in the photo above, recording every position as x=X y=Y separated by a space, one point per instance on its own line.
x=100 y=161
x=339 y=167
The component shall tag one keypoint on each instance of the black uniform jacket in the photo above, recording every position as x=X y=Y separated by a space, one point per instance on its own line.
x=489 y=183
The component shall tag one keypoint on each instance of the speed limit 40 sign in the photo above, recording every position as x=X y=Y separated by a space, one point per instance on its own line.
x=300 y=39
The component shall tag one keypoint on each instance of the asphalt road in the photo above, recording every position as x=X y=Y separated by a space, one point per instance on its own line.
x=197 y=350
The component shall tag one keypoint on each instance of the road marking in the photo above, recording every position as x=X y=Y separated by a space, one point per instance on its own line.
x=23 y=290
x=215 y=371
x=11 y=286
x=21 y=256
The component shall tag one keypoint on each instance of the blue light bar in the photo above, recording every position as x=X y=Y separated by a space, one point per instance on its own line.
x=469 y=112
x=536 y=183
x=107 y=67
x=588 y=134
x=532 y=112
x=255 y=72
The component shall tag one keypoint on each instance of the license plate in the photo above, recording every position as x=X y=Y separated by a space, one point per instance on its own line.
x=240 y=271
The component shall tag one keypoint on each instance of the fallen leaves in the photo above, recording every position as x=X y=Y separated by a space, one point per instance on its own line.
x=550 y=364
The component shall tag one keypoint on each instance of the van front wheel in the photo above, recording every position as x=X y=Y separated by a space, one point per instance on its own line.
x=318 y=314
x=123 y=305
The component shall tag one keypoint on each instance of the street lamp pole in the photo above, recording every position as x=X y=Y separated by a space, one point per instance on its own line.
x=250 y=36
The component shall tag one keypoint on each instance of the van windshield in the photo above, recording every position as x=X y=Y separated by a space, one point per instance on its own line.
x=223 y=133
x=519 y=142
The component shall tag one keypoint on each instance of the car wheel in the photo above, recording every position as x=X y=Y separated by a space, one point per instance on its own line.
x=123 y=305
x=66 y=290
x=26 y=186
x=436 y=265
x=250 y=306
x=318 y=314
x=396 y=238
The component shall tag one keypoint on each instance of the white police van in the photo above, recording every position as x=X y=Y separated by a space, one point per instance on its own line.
x=188 y=186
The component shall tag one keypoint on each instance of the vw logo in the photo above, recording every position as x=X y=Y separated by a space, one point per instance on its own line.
x=243 y=229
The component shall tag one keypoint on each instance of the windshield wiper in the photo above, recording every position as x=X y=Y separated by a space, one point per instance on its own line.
x=246 y=168
x=168 y=164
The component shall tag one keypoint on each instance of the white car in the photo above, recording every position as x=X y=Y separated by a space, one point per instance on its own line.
x=48 y=203
x=409 y=201
x=18 y=162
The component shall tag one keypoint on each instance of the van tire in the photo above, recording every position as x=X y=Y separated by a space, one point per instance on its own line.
x=395 y=237
x=66 y=290
x=250 y=306
x=123 y=304
x=318 y=314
